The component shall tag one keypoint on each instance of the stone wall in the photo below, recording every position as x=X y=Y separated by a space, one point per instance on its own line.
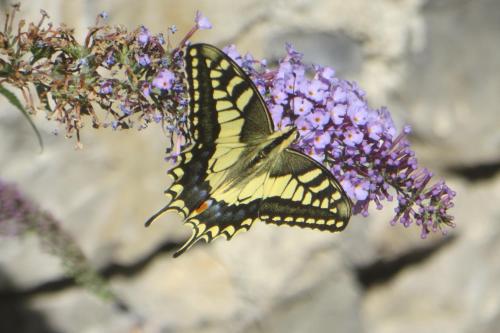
x=435 y=64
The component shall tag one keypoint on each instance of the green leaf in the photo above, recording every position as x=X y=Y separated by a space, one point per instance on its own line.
x=15 y=101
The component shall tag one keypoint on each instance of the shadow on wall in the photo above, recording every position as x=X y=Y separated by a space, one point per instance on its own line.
x=16 y=315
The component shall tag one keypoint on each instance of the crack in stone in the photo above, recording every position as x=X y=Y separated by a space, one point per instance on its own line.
x=383 y=271
x=107 y=272
x=477 y=172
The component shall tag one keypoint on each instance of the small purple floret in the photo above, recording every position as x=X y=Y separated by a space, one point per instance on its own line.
x=144 y=60
x=143 y=36
x=202 y=21
x=164 y=80
x=106 y=88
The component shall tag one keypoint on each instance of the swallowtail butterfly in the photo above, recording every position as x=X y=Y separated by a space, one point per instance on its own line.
x=239 y=169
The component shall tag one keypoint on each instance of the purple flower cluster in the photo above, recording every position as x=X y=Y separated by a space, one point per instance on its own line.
x=19 y=214
x=124 y=79
x=153 y=87
x=15 y=210
x=359 y=145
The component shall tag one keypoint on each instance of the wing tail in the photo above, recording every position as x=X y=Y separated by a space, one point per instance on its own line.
x=190 y=242
x=172 y=206
x=198 y=232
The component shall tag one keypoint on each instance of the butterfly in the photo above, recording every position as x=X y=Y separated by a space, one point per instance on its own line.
x=239 y=169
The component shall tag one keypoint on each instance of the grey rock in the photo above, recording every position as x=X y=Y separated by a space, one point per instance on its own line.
x=238 y=286
x=433 y=63
x=456 y=290
x=75 y=310
x=451 y=87
x=101 y=195
x=19 y=256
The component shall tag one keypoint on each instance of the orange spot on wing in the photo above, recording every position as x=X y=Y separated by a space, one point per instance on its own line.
x=204 y=205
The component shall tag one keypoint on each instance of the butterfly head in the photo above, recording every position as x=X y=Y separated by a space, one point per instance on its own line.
x=277 y=142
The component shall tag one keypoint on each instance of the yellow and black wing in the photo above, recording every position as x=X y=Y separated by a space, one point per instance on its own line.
x=228 y=115
x=301 y=192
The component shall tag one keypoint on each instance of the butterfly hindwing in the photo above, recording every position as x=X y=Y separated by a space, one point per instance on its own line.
x=301 y=192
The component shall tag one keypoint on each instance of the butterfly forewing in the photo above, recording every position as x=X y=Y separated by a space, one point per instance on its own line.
x=226 y=105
